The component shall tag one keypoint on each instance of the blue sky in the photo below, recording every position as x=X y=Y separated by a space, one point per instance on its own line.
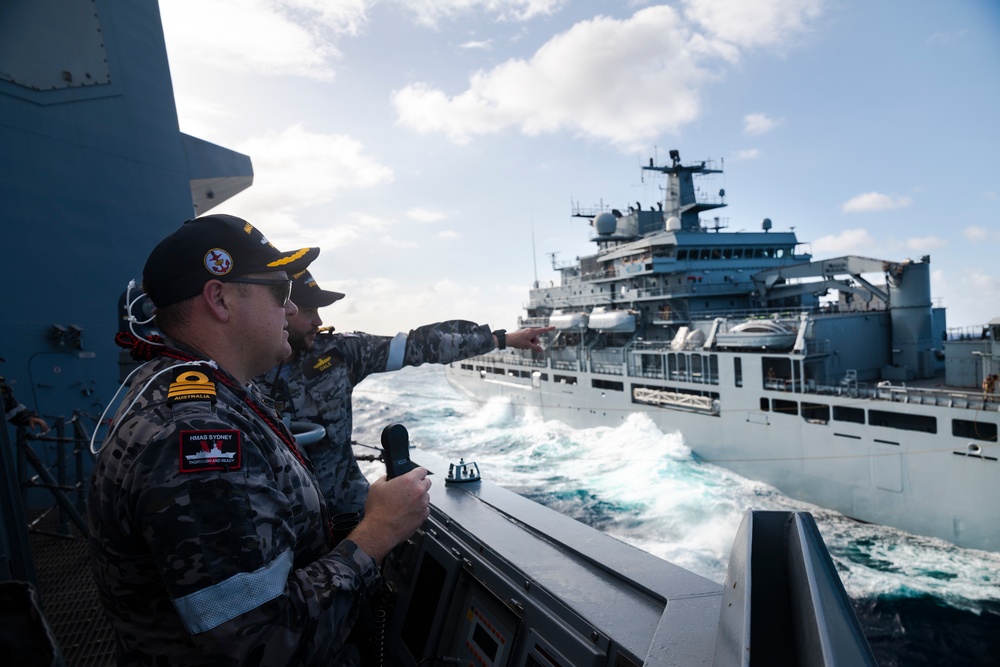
x=433 y=148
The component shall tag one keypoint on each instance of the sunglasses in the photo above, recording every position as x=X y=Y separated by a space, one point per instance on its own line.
x=280 y=288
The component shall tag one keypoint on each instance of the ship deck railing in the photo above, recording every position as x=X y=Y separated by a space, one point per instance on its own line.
x=528 y=322
x=941 y=396
x=948 y=397
x=514 y=359
x=570 y=301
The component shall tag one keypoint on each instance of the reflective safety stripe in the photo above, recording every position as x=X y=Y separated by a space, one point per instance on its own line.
x=397 y=352
x=238 y=594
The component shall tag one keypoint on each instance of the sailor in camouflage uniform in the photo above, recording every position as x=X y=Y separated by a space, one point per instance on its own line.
x=210 y=541
x=315 y=383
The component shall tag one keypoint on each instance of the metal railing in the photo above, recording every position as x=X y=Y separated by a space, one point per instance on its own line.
x=69 y=459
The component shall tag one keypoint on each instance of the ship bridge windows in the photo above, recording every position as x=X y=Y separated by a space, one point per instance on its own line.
x=715 y=253
x=977 y=430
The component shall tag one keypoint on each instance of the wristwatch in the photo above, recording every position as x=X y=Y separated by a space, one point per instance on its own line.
x=501 y=335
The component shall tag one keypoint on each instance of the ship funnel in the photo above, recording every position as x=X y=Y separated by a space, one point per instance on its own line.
x=912 y=322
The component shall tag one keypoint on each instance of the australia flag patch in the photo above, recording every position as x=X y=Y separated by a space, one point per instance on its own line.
x=210 y=450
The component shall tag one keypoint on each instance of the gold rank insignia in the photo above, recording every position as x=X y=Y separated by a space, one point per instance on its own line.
x=191 y=385
x=322 y=363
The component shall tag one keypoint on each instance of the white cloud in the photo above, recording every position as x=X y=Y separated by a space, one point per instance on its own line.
x=483 y=44
x=576 y=81
x=748 y=154
x=448 y=234
x=291 y=37
x=982 y=284
x=199 y=116
x=975 y=233
x=297 y=169
x=431 y=12
x=299 y=37
x=848 y=242
x=756 y=124
x=925 y=243
x=425 y=215
x=754 y=24
x=874 y=201
x=410 y=304
x=970 y=295
x=570 y=83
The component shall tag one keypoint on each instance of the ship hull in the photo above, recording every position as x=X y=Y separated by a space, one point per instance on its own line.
x=930 y=483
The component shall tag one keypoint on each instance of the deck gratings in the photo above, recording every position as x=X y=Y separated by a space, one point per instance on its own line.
x=69 y=597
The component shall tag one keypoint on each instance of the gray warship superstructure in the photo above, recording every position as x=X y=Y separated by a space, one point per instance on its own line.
x=93 y=172
x=835 y=380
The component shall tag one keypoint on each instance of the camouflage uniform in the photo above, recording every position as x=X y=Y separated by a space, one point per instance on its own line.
x=317 y=387
x=14 y=412
x=210 y=542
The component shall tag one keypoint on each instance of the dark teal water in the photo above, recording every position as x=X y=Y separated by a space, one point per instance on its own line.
x=921 y=601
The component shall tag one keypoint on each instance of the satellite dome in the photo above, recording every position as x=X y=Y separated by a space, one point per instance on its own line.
x=673 y=223
x=605 y=223
x=766 y=224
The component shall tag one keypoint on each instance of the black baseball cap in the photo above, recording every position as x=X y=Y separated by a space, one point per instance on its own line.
x=307 y=294
x=213 y=247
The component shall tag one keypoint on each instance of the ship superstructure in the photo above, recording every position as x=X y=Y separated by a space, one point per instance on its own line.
x=835 y=380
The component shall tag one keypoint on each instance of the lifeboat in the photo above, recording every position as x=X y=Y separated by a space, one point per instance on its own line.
x=612 y=321
x=760 y=334
x=568 y=321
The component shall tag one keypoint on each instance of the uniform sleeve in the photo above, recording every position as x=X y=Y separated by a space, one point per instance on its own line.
x=244 y=561
x=439 y=343
x=16 y=413
x=445 y=342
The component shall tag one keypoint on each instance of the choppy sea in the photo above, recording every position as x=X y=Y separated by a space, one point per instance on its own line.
x=921 y=601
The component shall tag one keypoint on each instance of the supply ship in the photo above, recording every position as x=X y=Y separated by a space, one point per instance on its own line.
x=93 y=173
x=835 y=380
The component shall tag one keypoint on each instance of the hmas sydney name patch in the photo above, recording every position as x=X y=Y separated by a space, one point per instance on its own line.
x=210 y=450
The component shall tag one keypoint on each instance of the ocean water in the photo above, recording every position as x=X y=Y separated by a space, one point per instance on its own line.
x=921 y=601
